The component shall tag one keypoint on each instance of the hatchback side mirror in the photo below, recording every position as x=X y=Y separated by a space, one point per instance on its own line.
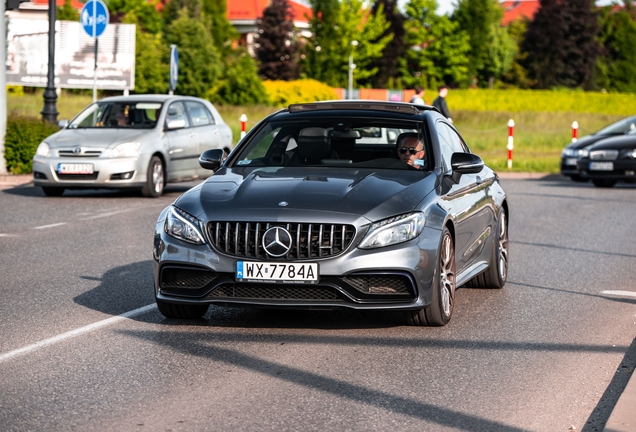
x=211 y=159
x=175 y=124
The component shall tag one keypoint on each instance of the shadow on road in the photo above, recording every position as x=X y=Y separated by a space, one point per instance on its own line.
x=546 y=245
x=33 y=191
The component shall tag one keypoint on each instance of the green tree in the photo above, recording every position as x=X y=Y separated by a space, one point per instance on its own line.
x=240 y=84
x=491 y=48
x=388 y=64
x=616 y=68
x=66 y=12
x=199 y=62
x=517 y=75
x=438 y=51
x=319 y=64
x=277 y=46
x=215 y=18
x=561 y=42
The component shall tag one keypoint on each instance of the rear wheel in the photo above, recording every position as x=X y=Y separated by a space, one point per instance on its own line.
x=604 y=183
x=53 y=191
x=154 y=178
x=497 y=273
x=181 y=311
x=439 y=312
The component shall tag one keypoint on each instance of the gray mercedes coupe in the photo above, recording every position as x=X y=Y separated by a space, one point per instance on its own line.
x=309 y=212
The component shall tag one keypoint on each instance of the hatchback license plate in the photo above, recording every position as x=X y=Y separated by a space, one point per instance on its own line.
x=570 y=161
x=74 y=168
x=601 y=166
x=306 y=273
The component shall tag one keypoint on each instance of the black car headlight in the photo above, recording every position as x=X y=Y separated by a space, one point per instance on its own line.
x=183 y=226
x=394 y=230
x=584 y=153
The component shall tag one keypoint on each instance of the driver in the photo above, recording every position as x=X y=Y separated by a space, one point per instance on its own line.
x=411 y=150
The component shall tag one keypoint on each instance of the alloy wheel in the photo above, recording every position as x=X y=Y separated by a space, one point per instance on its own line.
x=157 y=177
x=503 y=247
x=447 y=275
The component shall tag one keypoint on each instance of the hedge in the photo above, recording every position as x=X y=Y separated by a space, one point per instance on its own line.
x=23 y=136
x=283 y=93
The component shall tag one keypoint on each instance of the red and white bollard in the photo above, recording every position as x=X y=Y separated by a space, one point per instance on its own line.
x=575 y=128
x=511 y=127
x=243 y=121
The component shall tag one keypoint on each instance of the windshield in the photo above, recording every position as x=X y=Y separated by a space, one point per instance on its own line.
x=337 y=142
x=115 y=115
x=621 y=127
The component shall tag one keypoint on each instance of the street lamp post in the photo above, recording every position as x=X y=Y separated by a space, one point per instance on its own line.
x=49 y=112
x=352 y=66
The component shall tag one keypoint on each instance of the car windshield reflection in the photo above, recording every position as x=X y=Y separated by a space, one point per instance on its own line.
x=116 y=115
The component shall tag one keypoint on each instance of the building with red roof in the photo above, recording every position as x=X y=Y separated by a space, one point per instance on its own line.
x=518 y=9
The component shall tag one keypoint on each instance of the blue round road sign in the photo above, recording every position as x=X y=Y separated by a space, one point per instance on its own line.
x=94 y=17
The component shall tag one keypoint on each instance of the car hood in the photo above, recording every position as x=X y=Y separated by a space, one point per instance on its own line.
x=586 y=141
x=616 y=142
x=303 y=194
x=99 y=138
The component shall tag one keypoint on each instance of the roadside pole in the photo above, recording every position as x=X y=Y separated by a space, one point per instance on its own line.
x=511 y=128
x=575 y=128
x=49 y=111
x=3 y=89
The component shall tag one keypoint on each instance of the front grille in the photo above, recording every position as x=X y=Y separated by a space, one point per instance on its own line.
x=78 y=176
x=85 y=153
x=184 y=278
x=275 y=292
x=389 y=284
x=604 y=155
x=309 y=241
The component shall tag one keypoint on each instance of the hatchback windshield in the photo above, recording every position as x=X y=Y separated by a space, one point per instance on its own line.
x=335 y=142
x=113 y=115
x=625 y=126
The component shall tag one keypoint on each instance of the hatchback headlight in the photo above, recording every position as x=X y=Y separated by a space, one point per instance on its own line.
x=128 y=149
x=43 y=150
x=568 y=152
x=183 y=226
x=584 y=153
x=394 y=230
x=631 y=154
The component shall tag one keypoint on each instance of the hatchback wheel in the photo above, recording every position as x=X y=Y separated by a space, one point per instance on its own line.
x=439 y=312
x=154 y=178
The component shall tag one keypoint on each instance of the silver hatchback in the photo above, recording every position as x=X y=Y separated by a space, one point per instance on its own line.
x=135 y=142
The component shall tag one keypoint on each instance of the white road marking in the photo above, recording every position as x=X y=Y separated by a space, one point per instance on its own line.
x=77 y=332
x=50 y=226
x=8 y=235
x=620 y=293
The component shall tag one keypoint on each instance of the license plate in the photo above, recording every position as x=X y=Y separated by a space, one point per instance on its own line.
x=305 y=273
x=601 y=166
x=570 y=161
x=74 y=168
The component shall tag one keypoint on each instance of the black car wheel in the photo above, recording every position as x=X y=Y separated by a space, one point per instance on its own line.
x=53 y=191
x=181 y=311
x=154 y=178
x=604 y=183
x=439 y=312
x=497 y=273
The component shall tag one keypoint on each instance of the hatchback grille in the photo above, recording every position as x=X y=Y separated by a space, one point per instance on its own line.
x=78 y=176
x=309 y=241
x=82 y=153
x=604 y=155
x=380 y=284
x=276 y=292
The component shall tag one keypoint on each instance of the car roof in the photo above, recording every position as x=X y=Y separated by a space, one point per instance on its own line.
x=360 y=105
x=148 y=97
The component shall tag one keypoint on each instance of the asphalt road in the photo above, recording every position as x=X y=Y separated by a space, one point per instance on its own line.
x=546 y=353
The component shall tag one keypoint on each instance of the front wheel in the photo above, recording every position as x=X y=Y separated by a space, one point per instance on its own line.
x=181 y=311
x=439 y=312
x=154 y=178
x=604 y=183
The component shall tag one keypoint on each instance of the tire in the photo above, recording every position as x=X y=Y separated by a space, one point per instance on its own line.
x=53 y=191
x=497 y=273
x=578 y=178
x=440 y=311
x=155 y=178
x=181 y=311
x=604 y=183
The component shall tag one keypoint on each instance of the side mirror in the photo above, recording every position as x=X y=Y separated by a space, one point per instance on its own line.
x=392 y=137
x=62 y=124
x=175 y=124
x=211 y=159
x=466 y=163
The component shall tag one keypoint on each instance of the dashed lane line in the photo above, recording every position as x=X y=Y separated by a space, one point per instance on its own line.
x=77 y=332
x=620 y=293
x=51 y=225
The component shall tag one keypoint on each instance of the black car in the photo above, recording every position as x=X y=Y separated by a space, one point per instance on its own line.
x=570 y=154
x=609 y=161
x=305 y=213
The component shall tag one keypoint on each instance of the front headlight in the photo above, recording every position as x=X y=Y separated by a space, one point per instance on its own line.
x=584 y=153
x=183 y=226
x=394 y=230
x=631 y=154
x=567 y=152
x=128 y=149
x=43 y=150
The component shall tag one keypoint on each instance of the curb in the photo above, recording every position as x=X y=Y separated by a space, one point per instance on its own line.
x=623 y=417
x=15 y=180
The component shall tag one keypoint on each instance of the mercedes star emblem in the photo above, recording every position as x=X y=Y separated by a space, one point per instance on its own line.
x=283 y=204
x=277 y=241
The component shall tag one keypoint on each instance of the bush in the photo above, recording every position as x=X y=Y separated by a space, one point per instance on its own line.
x=283 y=93
x=22 y=139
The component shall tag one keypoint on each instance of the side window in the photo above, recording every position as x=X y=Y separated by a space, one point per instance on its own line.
x=446 y=147
x=199 y=114
x=176 y=111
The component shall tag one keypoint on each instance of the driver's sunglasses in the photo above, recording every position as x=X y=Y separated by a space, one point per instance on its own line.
x=411 y=150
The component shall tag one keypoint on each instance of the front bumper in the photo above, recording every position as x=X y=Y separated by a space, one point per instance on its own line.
x=398 y=277
x=569 y=166
x=107 y=173
x=624 y=169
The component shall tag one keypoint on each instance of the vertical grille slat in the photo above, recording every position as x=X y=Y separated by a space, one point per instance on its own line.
x=309 y=240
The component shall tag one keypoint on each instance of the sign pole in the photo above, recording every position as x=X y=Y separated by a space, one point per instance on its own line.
x=95 y=37
x=49 y=112
x=3 y=92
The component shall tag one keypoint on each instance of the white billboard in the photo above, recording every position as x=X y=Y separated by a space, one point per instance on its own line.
x=27 y=55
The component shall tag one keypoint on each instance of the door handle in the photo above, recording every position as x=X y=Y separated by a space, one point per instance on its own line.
x=478 y=180
x=193 y=135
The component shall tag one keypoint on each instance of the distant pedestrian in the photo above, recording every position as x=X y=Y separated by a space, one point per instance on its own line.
x=440 y=102
x=418 y=97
